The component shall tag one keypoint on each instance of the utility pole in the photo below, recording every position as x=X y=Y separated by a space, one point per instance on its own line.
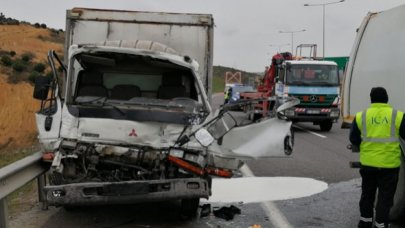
x=323 y=21
x=292 y=37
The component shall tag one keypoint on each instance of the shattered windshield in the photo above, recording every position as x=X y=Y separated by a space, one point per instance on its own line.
x=123 y=81
x=312 y=74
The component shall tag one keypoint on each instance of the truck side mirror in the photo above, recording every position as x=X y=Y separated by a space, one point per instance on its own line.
x=41 y=88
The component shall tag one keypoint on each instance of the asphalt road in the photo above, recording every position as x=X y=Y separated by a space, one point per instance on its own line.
x=319 y=155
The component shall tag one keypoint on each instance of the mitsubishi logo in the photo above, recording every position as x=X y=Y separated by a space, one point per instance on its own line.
x=313 y=98
x=133 y=133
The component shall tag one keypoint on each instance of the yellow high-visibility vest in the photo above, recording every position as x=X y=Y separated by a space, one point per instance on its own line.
x=379 y=127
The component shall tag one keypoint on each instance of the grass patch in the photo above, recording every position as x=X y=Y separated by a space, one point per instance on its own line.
x=25 y=197
x=8 y=157
x=218 y=85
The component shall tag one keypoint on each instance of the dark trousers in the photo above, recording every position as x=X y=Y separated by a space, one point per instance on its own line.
x=383 y=179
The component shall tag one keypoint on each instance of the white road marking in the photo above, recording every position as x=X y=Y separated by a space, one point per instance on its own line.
x=311 y=132
x=275 y=216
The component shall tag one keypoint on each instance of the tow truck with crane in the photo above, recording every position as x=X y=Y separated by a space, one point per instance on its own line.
x=313 y=81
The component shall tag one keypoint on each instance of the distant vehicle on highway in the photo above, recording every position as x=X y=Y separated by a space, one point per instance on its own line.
x=237 y=90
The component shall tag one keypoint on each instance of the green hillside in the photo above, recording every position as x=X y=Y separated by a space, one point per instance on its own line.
x=219 y=77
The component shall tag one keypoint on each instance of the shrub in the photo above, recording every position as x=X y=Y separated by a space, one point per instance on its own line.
x=6 y=60
x=12 y=53
x=37 y=25
x=27 y=56
x=39 y=67
x=43 y=26
x=19 y=66
x=33 y=76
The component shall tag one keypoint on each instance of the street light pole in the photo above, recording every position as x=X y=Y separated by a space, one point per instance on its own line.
x=323 y=32
x=292 y=37
x=323 y=21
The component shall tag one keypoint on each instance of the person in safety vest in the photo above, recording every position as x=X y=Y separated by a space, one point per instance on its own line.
x=228 y=95
x=376 y=132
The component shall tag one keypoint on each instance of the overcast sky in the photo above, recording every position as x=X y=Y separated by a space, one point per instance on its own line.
x=247 y=32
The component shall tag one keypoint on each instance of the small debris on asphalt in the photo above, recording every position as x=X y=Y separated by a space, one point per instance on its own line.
x=227 y=213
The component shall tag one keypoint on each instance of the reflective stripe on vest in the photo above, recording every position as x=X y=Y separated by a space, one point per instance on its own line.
x=392 y=137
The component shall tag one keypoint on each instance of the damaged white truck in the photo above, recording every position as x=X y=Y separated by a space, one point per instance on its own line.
x=129 y=119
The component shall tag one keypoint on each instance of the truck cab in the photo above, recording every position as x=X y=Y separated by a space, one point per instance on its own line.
x=316 y=84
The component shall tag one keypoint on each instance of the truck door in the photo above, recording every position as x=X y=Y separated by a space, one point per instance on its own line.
x=270 y=137
x=49 y=116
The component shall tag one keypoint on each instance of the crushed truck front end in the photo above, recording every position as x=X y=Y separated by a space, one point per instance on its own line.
x=136 y=126
x=124 y=110
x=130 y=119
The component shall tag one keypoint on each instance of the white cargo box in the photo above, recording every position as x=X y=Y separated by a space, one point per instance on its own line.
x=377 y=59
x=187 y=34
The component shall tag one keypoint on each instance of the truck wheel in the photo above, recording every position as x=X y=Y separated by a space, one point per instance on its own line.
x=398 y=209
x=326 y=125
x=256 y=116
x=70 y=208
x=189 y=207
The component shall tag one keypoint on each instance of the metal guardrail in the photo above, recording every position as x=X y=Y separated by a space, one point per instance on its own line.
x=15 y=176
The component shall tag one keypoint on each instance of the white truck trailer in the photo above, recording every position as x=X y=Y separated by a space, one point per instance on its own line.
x=377 y=59
x=130 y=120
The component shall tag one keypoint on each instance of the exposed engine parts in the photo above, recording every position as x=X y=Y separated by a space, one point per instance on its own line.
x=89 y=162
x=84 y=162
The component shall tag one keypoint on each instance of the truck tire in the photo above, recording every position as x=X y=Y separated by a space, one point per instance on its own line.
x=326 y=125
x=70 y=208
x=256 y=117
x=398 y=209
x=189 y=207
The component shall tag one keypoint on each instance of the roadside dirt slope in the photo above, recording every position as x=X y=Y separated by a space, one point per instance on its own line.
x=26 y=38
x=17 y=107
x=17 y=125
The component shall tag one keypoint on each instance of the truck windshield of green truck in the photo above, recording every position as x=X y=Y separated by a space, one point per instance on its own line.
x=312 y=75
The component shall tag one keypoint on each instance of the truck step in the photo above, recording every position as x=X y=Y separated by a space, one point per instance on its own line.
x=355 y=164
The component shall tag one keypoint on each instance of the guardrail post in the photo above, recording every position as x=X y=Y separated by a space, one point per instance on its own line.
x=4 y=213
x=15 y=175
x=41 y=197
